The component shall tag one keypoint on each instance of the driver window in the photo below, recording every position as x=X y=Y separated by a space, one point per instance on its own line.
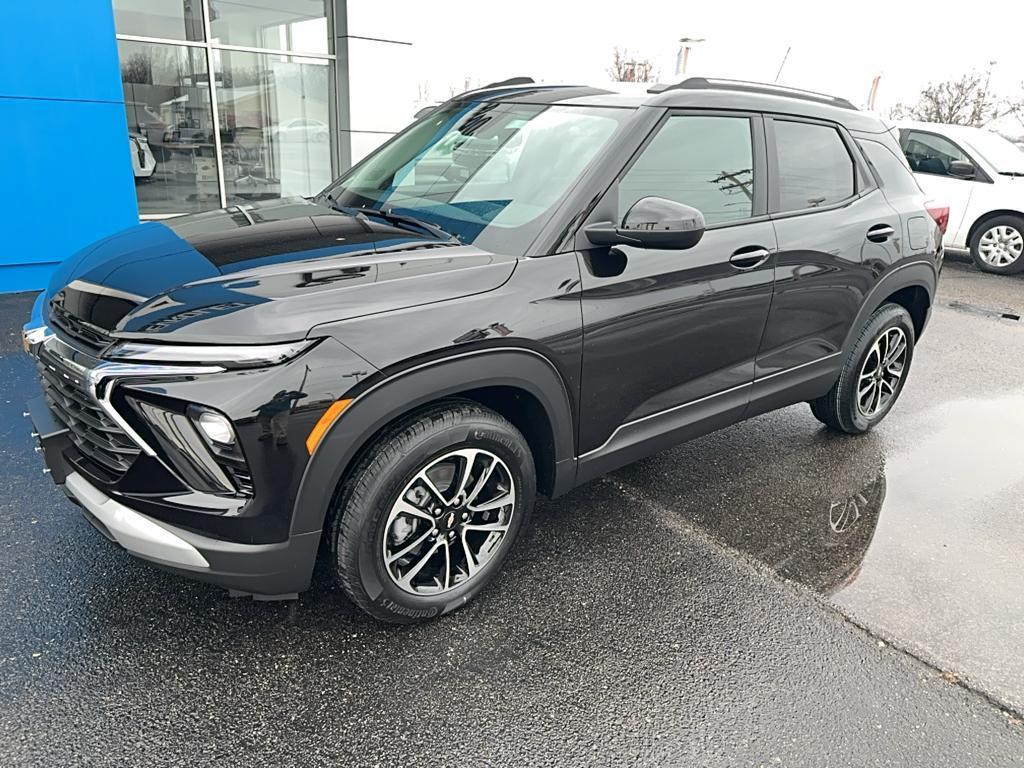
x=702 y=161
x=928 y=153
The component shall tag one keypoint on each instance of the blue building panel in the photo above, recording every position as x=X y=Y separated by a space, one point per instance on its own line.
x=59 y=49
x=65 y=168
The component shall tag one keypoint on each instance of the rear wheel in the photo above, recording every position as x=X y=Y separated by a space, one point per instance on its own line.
x=431 y=511
x=874 y=373
x=998 y=245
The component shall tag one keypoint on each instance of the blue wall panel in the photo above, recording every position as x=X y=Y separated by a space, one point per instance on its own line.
x=65 y=168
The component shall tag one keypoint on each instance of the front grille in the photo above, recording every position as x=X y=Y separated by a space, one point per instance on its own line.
x=94 y=434
x=89 y=335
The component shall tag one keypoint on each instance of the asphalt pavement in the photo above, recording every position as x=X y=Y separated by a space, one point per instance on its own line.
x=771 y=594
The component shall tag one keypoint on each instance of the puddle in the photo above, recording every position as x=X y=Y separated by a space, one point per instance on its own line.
x=917 y=531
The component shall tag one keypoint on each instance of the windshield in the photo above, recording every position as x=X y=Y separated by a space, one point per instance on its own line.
x=1005 y=156
x=488 y=173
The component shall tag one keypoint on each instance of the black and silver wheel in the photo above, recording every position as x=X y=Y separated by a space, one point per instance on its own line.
x=873 y=375
x=431 y=511
x=998 y=245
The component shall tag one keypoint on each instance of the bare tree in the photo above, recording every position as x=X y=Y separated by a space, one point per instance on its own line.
x=625 y=69
x=968 y=100
x=137 y=68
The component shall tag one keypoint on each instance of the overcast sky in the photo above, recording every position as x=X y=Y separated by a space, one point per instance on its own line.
x=836 y=48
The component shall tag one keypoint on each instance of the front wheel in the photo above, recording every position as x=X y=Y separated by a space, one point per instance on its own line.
x=873 y=375
x=431 y=511
x=998 y=245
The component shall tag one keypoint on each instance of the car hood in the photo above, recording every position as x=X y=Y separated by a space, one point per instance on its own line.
x=263 y=272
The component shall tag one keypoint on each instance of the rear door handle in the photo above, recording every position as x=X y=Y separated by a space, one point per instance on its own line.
x=750 y=257
x=880 y=233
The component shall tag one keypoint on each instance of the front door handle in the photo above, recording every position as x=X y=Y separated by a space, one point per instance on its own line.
x=750 y=257
x=880 y=233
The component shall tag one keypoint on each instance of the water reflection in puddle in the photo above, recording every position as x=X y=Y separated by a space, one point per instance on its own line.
x=916 y=530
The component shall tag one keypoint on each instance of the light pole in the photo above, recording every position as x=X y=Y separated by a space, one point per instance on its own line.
x=683 y=57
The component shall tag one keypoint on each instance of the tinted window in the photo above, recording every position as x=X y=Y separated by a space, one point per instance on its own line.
x=929 y=153
x=815 y=168
x=704 y=162
x=896 y=176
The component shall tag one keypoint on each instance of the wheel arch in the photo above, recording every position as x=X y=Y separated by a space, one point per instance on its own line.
x=912 y=286
x=522 y=385
x=980 y=221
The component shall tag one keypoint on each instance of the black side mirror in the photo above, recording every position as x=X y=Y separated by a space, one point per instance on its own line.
x=652 y=222
x=962 y=169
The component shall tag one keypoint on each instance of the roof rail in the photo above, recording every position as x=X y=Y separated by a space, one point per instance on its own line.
x=704 y=83
x=510 y=82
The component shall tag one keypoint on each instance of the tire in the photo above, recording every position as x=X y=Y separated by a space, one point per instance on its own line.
x=884 y=332
x=997 y=245
x=383 y=510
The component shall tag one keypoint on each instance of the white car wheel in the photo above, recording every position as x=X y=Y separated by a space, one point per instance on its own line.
x=998 y=245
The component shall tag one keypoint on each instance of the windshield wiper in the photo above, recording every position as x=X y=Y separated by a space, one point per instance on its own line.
x=1011 y=173
x=395 y=218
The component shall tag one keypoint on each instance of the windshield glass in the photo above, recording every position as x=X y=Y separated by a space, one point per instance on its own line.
x=488 y=173
x=1003 y=155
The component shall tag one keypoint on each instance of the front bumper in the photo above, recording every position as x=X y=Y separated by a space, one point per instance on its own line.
x=226 y=548
x=267 y=571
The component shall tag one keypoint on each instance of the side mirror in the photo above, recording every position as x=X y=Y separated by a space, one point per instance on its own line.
x=962 y=169
x=652 y=222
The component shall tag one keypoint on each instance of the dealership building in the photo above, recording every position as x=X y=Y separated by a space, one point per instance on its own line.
x=121 y=110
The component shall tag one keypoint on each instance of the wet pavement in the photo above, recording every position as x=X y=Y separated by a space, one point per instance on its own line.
x=915 y=530
x=771 y=594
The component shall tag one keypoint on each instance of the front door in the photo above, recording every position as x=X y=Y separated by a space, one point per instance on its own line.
x=667 y=329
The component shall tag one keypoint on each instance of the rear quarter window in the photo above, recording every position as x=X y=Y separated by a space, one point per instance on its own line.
x=893 y=173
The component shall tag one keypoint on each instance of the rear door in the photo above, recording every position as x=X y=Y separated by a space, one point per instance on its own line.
x=903 y=192
x=837 y=234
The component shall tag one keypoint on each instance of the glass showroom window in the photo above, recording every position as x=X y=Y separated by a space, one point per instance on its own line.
x=275 y=114
x=167 y=104
x=182 y=20
x=260 y=127
x=288 y=25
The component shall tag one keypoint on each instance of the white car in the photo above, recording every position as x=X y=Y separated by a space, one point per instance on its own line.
x=980 y=176
x=301 y=129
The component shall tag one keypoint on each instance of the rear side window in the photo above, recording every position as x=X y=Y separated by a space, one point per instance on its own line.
x=896 y=176
x=815 y=168
x=706 y=162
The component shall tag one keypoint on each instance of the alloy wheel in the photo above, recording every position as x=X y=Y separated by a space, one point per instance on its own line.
x=1001 y=246
x=881 y=372
x=448 y=521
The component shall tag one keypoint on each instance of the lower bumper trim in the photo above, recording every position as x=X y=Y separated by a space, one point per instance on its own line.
x=133 y=531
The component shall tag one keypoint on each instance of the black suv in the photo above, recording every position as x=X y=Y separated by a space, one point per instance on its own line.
x=528 y=287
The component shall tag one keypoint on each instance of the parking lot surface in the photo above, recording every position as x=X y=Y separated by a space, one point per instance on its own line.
x=770 y=594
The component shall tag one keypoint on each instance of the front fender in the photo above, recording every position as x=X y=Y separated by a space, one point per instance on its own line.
x=386 y=400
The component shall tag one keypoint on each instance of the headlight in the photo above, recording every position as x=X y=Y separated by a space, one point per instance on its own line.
x=215 y=427
x=229 y=356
